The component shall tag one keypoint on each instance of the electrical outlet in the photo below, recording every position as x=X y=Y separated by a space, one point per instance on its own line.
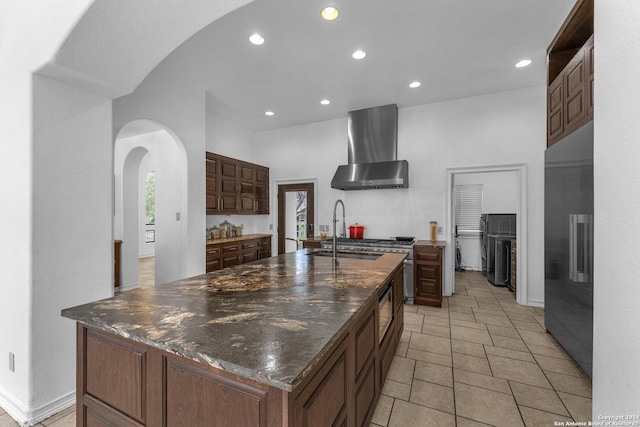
x=12 y=362
x=439 y=230
x=270 y=226
x=177 y=216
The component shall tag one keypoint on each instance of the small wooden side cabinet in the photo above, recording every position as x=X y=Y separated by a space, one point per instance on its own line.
x=116 y=263
x=427 y=273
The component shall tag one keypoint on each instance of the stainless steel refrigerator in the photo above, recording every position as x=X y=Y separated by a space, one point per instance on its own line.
x=568 y=235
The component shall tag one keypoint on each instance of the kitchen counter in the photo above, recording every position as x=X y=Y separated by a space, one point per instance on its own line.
x=269 y=321
x=237 y=239
x=431 y=244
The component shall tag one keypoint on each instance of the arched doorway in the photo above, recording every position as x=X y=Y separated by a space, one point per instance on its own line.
x=142 y=147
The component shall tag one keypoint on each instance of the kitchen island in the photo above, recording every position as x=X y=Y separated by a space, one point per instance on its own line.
x=292 y=340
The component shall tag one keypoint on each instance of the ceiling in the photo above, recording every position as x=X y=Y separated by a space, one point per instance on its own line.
x=455 y=48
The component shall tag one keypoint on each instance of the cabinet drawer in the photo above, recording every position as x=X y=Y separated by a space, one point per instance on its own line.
x=249 y=244
x=213 y=252
x=230 y=248
x=266 y=242
x=427 y=255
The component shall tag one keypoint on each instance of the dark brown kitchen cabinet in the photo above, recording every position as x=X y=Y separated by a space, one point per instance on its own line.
x=262 y=190
x=230 y=255
x=228 y=178
x=212 y=190
x=264 y=248
x=121 y=382
x=225 y=253
x=235 y=187
x=213 y=258
x=323 y=402
x=570 y=74
x=427 y=273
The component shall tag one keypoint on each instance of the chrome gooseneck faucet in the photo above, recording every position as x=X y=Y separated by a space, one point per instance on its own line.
x=344 y=228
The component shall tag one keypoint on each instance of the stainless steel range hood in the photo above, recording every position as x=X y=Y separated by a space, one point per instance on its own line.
x=373 y=150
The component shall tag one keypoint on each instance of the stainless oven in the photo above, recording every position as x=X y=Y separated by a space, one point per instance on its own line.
x=385 y=305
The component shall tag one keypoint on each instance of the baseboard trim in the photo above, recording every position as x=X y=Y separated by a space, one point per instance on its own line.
x=14 y=408
x=25 y=417
x=52 y=408
x=535 y=303
x=124 y=288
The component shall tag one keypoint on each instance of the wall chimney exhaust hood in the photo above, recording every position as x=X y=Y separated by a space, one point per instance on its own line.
x=373 y=151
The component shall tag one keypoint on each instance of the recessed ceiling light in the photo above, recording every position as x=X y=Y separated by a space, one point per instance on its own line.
x=359 y=54
x=256 y=39
x=523 y=63
x=414 y=85
x=330 y=13
x=269 y=113
x=325 y=102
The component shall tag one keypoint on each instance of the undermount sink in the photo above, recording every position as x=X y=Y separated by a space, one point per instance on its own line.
x=352 y=255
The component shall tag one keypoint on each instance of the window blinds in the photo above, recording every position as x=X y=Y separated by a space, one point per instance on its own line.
x=468 y=208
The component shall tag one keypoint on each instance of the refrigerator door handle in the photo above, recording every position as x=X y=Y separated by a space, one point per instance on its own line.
x=507 y=268
x=580 y=247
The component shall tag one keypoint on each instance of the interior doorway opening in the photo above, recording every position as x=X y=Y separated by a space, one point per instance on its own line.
x=149 y=204
x=504 y=192
x=296 y=215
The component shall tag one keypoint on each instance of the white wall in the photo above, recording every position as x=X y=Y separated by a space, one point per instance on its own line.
x=499 y=194
x=72 y=227
x=501 y=128
x=78 y=144
x=178 y=108
x=228 y=139
x=31 y=32
x=616 y=358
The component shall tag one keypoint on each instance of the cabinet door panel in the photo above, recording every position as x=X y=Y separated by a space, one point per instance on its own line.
x=365 y=342
x=323 y=401
x=196 y=397
x=575 y=90
x=249 y=256
x=214 y=265
x=115 y=374
x=427 y=272
x=365 y=396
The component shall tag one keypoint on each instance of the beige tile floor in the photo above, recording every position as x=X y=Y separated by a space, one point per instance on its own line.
x=147 y=271
x=480 y=360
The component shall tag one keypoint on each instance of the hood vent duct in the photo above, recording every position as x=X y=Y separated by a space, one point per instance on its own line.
x=373 y=151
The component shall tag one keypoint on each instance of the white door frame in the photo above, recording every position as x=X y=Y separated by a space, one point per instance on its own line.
x=521 y=226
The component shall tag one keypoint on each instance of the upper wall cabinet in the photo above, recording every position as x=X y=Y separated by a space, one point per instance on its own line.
x=236 y=187
x=570 y=74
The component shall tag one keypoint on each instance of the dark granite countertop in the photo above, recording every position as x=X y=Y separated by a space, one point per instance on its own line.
x=237 y=239
x=431 y=244
x=269 y=320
